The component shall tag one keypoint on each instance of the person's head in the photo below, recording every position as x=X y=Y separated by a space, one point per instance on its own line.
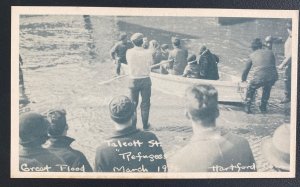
x=175 y=41
x=192 y=59
x=121 y=110
x=58 y=123
x=164 y=47
x=123 y=37
x=202 y=104
x=202 y=49
x=276 y=150
x=256 y=44
x=145 y=43
x=153 y=44
x=32 y=129
x=269 y=42
x=137 y=39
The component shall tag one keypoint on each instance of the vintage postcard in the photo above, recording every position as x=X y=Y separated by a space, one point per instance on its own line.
x=153 y=93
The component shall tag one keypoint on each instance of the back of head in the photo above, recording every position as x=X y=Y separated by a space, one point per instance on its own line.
x=137 y=39
x=256 y=44
x=191 y=58
x=122 y=36
x=175 y=41
x=58 y=122
x=121 y=109
x=202 y=49
x=164 y=46
x=153 y=44
x=202 y=103
x=32 y=129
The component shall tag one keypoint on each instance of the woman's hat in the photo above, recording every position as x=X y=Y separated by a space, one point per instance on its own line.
x=277 y=149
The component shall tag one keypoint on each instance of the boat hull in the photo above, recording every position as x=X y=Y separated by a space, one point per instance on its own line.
x=230 y=89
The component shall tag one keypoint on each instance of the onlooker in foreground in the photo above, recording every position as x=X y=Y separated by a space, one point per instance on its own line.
x=192 y=70
x=139 y=62
x=277 y=149
x=262 y=62
x=32 y=135
x=208 y=63
x=118 y=52
x=59 y=143
x=178 y=57
x=287 y=64
x=129 y=149
x=209 y=150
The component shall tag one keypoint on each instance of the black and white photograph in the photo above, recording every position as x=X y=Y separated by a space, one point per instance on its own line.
x=153 y=92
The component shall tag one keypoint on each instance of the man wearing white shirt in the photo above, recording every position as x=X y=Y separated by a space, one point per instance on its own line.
x=139 y=62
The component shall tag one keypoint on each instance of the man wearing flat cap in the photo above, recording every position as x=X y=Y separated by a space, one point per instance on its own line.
x=139 y=62
x=129 y=149
x=60 y=144
x=32 y=135
x=264 y=74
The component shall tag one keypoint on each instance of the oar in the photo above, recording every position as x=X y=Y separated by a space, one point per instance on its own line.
x=122 y=76
x=113 y=79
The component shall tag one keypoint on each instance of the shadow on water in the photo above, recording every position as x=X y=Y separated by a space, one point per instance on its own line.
x=89 y=27
x=162 y=36
x=233 y=21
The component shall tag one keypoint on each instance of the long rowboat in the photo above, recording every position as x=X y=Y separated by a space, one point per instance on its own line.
x=230 y=89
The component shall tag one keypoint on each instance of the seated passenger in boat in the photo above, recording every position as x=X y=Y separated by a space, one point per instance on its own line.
x=177 y=57
x=209 y=150
x=165 y=51
x=208 y=63
x=154 y=48
x=192 y=69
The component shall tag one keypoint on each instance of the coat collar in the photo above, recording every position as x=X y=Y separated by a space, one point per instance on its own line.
x=61 y=141
x=125 y=132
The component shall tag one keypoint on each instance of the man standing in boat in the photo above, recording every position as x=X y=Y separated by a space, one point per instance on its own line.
x=139 y=62
x=287 y=64
x=178 y=56
x=118 y=52
x=262 y=63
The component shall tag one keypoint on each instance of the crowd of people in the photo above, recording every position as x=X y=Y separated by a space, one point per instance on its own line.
x=174 y=61
x=45 y=146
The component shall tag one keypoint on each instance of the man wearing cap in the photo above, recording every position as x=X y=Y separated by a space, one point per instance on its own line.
x=32 y=135
x=262 y=63
x=287 y=64
x=178 y=57
x=139 y=62
x=59 y=143
x=118 y=52
x=129 y=149
x=209 y=150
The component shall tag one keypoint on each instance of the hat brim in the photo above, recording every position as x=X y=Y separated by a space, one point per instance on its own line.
x=271 y=156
